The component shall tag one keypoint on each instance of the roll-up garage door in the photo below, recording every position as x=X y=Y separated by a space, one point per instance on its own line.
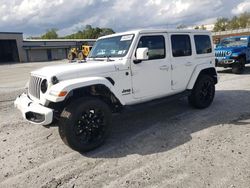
x=8 y=51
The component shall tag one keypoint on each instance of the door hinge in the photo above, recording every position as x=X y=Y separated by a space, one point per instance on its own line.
x=172 y=82
x=172 y=67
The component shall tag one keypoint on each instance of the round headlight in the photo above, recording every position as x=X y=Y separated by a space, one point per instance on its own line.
x=44 y=86
x=228 y=53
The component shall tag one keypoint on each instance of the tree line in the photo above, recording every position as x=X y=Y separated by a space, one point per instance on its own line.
x=90 y=33
x=87 y=33
x=182 y=26
x=223 y=24
x=236 y=22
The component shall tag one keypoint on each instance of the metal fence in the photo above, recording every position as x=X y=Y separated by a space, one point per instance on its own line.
x=231 y=32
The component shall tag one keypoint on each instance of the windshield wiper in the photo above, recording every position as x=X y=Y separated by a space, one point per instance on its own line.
x=108 y=58
x=97 y=58
x=94 y=58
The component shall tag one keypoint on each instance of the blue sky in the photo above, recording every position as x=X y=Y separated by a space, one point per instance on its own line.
x=34 y=17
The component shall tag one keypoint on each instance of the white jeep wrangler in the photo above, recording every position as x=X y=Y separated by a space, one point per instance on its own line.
x=123 y=69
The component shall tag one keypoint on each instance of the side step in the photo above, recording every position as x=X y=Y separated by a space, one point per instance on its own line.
x=155 y=102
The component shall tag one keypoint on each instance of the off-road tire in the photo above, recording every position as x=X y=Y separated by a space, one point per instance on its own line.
x=238 y=68
x=203 y=92
x=84 y=124
x=81 y=56
x=71 y=56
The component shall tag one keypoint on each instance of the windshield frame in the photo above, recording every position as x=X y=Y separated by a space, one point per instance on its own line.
x=110 y=55
x=234 y=40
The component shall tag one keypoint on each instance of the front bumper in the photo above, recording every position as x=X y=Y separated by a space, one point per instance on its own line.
x=224 y=62
x=33 y=112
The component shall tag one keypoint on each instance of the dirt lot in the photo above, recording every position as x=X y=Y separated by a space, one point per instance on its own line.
x=170 y=145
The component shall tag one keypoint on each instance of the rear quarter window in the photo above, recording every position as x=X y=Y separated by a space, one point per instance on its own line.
x=202 y=44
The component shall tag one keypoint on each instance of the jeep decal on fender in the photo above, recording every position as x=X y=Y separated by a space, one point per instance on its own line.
x=126 y=91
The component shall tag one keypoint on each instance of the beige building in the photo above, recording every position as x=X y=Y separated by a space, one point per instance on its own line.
x=13 y=48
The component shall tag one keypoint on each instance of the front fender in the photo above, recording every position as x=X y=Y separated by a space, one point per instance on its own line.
x=238 y=54
x=198 y=69
x=69 y=85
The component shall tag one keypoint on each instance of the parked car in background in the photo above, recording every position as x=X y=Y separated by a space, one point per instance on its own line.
x=233 y=52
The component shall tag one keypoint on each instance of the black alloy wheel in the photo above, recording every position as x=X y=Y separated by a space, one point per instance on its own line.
x=90 y=126
x=84 y=124
x=239 y=67
x=203 y=92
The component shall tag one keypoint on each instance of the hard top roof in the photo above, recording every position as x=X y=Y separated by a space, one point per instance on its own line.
x=145 y=31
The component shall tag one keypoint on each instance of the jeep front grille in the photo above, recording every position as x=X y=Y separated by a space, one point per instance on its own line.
x=34 y=86
x=220 y=53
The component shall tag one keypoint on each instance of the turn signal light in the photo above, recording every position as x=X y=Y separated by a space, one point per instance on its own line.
x=62 y=94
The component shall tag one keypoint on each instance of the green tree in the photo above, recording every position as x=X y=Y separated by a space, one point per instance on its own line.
x=221 y=24
x=50 y=34
x=106 y=31
x=237 y=22
x=244 y=20
x=203 y=27
x=196 y=27
x=181 y=26
x=90 y=33
x=234 y=23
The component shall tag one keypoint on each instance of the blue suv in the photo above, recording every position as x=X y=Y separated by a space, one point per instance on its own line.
x=233 y=52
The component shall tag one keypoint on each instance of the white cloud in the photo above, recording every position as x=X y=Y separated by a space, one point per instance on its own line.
x=242 y=7
x=33 y=17
x=181 y=6
x=153 y=2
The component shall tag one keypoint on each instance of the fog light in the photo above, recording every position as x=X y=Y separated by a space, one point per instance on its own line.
x=54 y=80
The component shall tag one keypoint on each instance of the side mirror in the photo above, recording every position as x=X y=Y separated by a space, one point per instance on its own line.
x=141 y=55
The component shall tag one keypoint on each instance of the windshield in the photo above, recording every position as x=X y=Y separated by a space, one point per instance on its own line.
x=112 y=47
x=236 y=41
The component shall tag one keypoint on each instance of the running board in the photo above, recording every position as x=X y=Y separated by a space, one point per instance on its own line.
x=155 y=102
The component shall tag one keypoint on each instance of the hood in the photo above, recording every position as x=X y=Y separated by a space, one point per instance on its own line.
x=232 y=49
x=75 y=70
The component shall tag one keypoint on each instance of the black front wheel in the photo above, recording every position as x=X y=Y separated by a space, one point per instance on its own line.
x=84 y=124
x=238 y=68
x=81 y=56
x=71 y=56
x=203 y=92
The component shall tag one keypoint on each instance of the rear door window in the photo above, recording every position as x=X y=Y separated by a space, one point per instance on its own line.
x=181 y=45
x=203 y=44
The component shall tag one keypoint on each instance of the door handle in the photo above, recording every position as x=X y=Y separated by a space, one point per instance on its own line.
x=164 y=67
x=189 y=64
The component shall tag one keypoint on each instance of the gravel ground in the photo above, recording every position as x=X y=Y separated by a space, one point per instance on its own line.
x=170 y=145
